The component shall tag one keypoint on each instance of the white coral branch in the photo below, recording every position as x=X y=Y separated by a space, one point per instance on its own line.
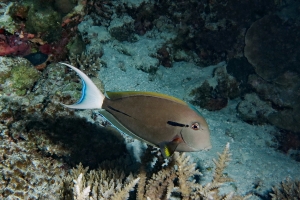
x=79 y=193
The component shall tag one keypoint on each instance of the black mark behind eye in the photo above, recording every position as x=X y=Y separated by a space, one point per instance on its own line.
x=176 y=124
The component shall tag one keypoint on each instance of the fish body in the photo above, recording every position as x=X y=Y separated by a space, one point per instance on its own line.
x=157 y=119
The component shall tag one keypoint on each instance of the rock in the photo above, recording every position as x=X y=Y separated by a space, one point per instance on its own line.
x=64 y=6
x=76 y=46
x=17 y=76
x=284 y=96
x=122 y=28
x=287 y=119
x=253 y=110
x=240 y=68
x=45 y=21
x=214 y=93
x=6 y=21
x=272 y=47
x=146 y=64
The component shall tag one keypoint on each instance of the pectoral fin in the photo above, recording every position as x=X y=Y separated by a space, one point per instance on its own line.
x=168 y=148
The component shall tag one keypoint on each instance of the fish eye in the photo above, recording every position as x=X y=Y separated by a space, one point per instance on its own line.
x=195 y=126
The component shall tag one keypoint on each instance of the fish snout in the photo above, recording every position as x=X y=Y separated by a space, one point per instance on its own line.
x=197 y=140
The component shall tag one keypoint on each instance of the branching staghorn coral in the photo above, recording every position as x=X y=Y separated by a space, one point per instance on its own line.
x=98 y=184
x=78 y=191
x=184 y=172
x=157 y=179
x=178 y=177
x=89 y=63
x=287 y=190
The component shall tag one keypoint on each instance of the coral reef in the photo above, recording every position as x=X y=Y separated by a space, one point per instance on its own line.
x=198 y=23
x=164 y=56
x=76 y=46
x=289 y=143
x=24 y=171
x=90 y=64
x=40 y=140
x=191 y=26
x=100 y=11
x=38 y=28
x=64 y=6
x=240 y=69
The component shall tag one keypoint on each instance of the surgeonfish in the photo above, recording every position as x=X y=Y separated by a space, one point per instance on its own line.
x=157 y=119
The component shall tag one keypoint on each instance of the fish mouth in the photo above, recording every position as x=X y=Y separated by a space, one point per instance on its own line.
x=182 y=135
x=206 y=148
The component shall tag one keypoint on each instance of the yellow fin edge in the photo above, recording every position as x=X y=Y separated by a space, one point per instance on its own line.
x=167 y=152
x=119 y=95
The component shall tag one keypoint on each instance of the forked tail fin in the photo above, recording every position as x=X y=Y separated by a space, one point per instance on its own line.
x=91 y=96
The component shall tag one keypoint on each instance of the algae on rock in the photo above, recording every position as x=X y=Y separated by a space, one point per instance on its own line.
x=46 y=21
x=23 y=78
x=17 y=75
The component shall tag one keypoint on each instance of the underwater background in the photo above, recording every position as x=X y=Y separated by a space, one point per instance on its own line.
x=236 y=61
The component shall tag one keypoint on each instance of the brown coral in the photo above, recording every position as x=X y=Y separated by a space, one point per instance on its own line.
x=287 y=190
x=98 y=184
x=178 y=177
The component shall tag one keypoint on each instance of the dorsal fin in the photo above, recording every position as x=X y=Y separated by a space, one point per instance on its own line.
x=120 y=95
